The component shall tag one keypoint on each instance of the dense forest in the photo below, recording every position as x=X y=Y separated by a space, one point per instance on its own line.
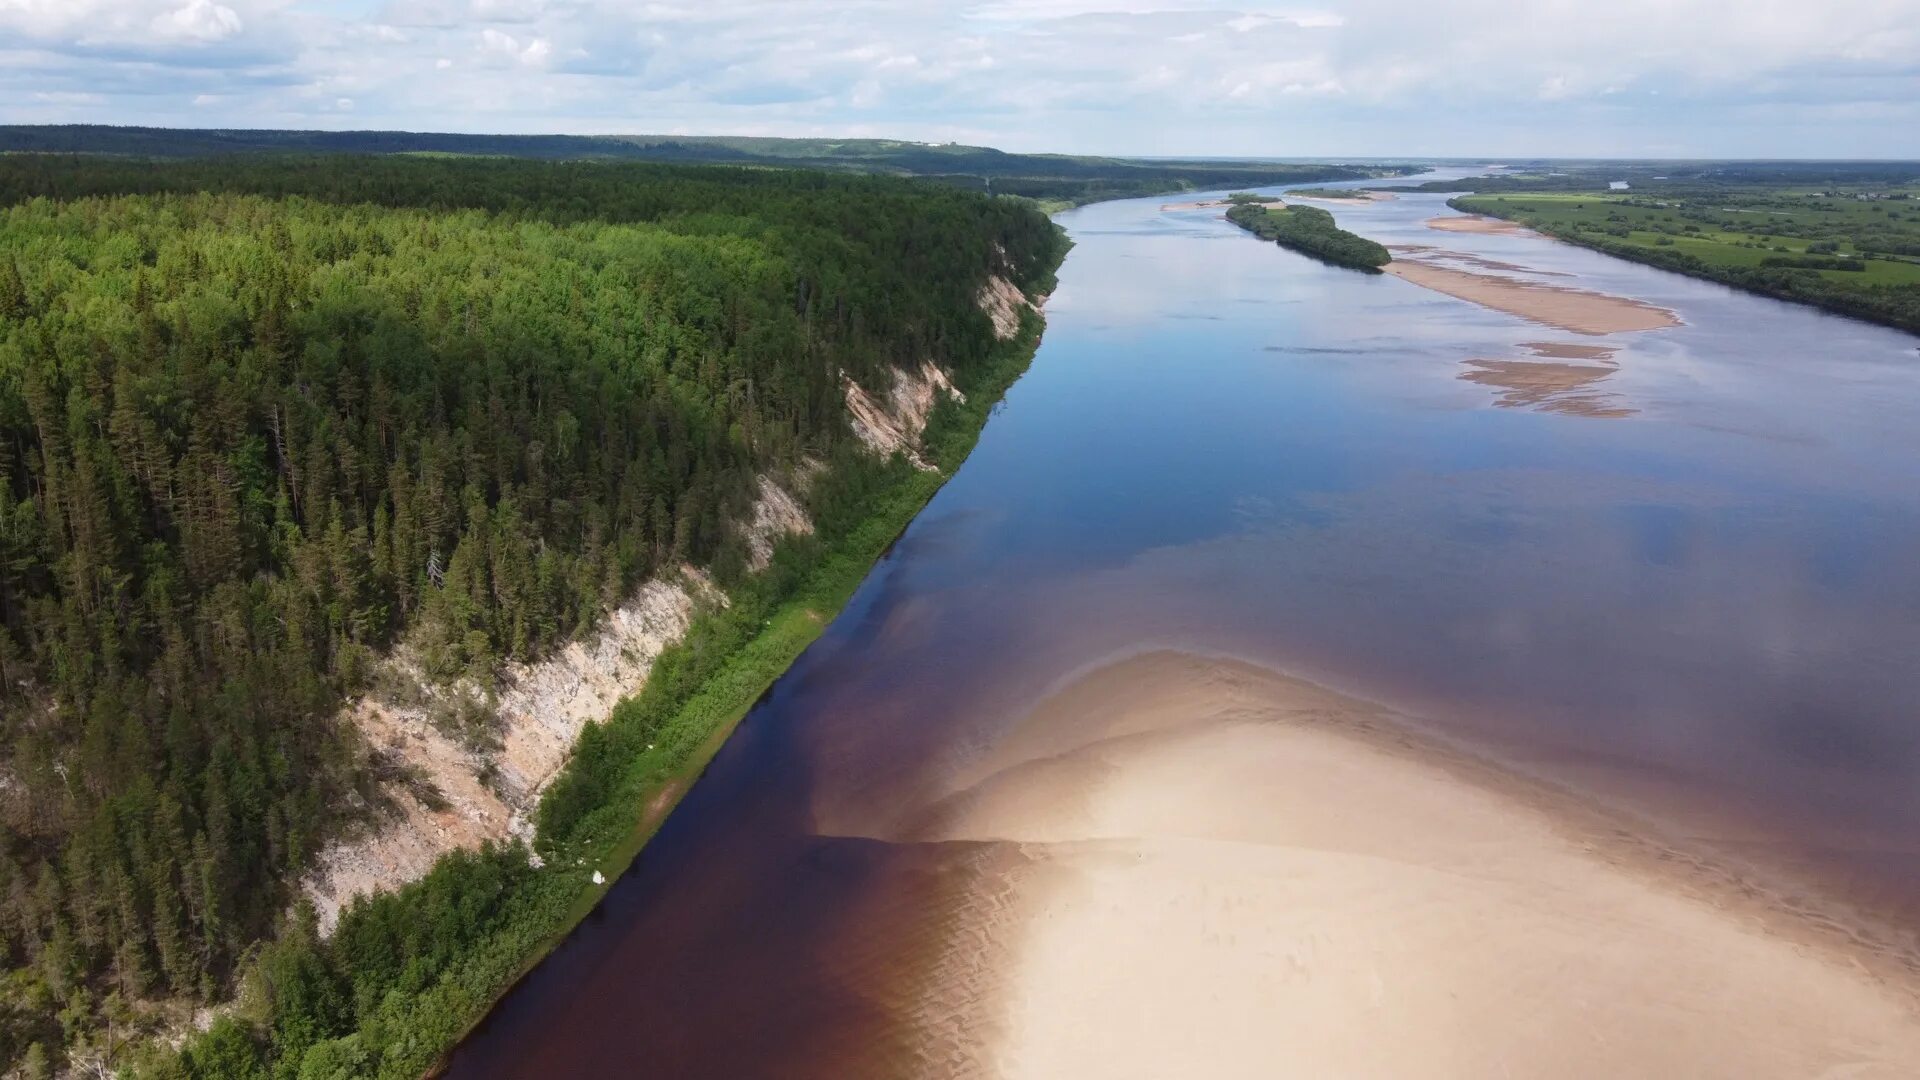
x=262 y=418
x=1310 y=231
x=1052 y=179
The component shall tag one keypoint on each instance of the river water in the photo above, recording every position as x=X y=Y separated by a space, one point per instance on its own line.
x=1686 y=580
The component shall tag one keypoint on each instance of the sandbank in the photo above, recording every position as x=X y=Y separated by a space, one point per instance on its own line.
x=1477 y=223
x=1576 y=310
x=1547 y=386
x=1212 y=204
x=1209 y=869
x=1363 y=198
x=1570 y=350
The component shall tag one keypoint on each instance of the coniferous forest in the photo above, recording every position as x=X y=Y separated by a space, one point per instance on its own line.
x=261 y=418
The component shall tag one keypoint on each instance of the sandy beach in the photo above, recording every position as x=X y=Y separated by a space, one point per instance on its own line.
x=1579 y=311
x=1212 y=870
x=1477 y=223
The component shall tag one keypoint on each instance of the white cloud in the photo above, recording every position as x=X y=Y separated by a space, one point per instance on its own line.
x=197 y=20
x=501 y=46
x=1166 y=76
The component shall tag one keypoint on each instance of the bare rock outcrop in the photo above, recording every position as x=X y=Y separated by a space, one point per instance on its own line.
x=893 y=422
x=1003 y=302
x=440 y=792
x=776 y=513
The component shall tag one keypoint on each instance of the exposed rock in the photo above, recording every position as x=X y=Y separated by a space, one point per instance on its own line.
x=1003 y=302
x=894 y=423
x=543 y=706
x=775 y=514
x=443 y=795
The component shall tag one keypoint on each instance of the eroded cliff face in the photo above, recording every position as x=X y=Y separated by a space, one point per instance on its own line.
x=892 y=422
x=775 y=514
x=442 y=787
x=1003 y=302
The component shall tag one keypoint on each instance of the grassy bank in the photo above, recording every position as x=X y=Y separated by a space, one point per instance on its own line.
x=408 y=973
x=1856 y=253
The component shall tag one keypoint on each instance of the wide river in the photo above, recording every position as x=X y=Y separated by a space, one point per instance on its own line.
x=1686 y=580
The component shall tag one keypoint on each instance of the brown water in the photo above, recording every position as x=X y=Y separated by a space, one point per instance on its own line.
x=1686 y=577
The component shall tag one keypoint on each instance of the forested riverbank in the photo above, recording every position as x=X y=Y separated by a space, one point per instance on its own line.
x=264 y=422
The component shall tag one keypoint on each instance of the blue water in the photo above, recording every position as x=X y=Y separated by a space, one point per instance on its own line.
x=1704 y=606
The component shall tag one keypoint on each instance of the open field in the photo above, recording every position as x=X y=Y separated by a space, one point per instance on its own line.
x=1853 y=249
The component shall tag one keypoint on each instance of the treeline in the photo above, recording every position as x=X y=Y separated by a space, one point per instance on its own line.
x=1052 y=179
x=1310 y=231
x=260 y=419
x=1812 y=262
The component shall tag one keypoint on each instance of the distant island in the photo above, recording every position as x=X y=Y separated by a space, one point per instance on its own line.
x=1340 y=195
x=1308 y=230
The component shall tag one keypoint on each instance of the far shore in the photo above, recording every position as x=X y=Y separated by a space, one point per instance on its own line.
x=1361 y=198
x=1208 y=868
x=1212 y=204
x=1281 y=200
x=1578 y=311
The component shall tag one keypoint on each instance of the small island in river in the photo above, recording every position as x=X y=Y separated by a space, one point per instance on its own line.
x=1310 y=231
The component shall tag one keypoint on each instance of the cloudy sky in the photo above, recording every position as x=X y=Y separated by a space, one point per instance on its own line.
x=1367 y=77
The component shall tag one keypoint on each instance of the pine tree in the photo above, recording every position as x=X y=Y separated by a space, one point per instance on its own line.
x=13 y=291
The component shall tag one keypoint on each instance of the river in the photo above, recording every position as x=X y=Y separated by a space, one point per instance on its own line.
x=1686 y=580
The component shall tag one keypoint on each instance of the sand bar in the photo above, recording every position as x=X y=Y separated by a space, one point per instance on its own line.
x=1478 y=223
x=1570 y=350
x=1216 y=871
x=1576 y=310
x=1547 y=386
x=1214 y=204
x=1361 y=199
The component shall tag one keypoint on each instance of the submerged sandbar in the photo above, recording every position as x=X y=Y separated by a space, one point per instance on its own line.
x=1214 y=870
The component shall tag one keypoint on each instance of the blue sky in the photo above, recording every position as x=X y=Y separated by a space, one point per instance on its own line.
x=1370 y=77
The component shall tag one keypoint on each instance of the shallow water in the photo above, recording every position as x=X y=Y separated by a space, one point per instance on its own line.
x=1703 y=602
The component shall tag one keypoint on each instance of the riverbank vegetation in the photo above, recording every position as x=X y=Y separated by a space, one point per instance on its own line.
x=1840 y=236
x=261 y=419
x=1311 y=231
